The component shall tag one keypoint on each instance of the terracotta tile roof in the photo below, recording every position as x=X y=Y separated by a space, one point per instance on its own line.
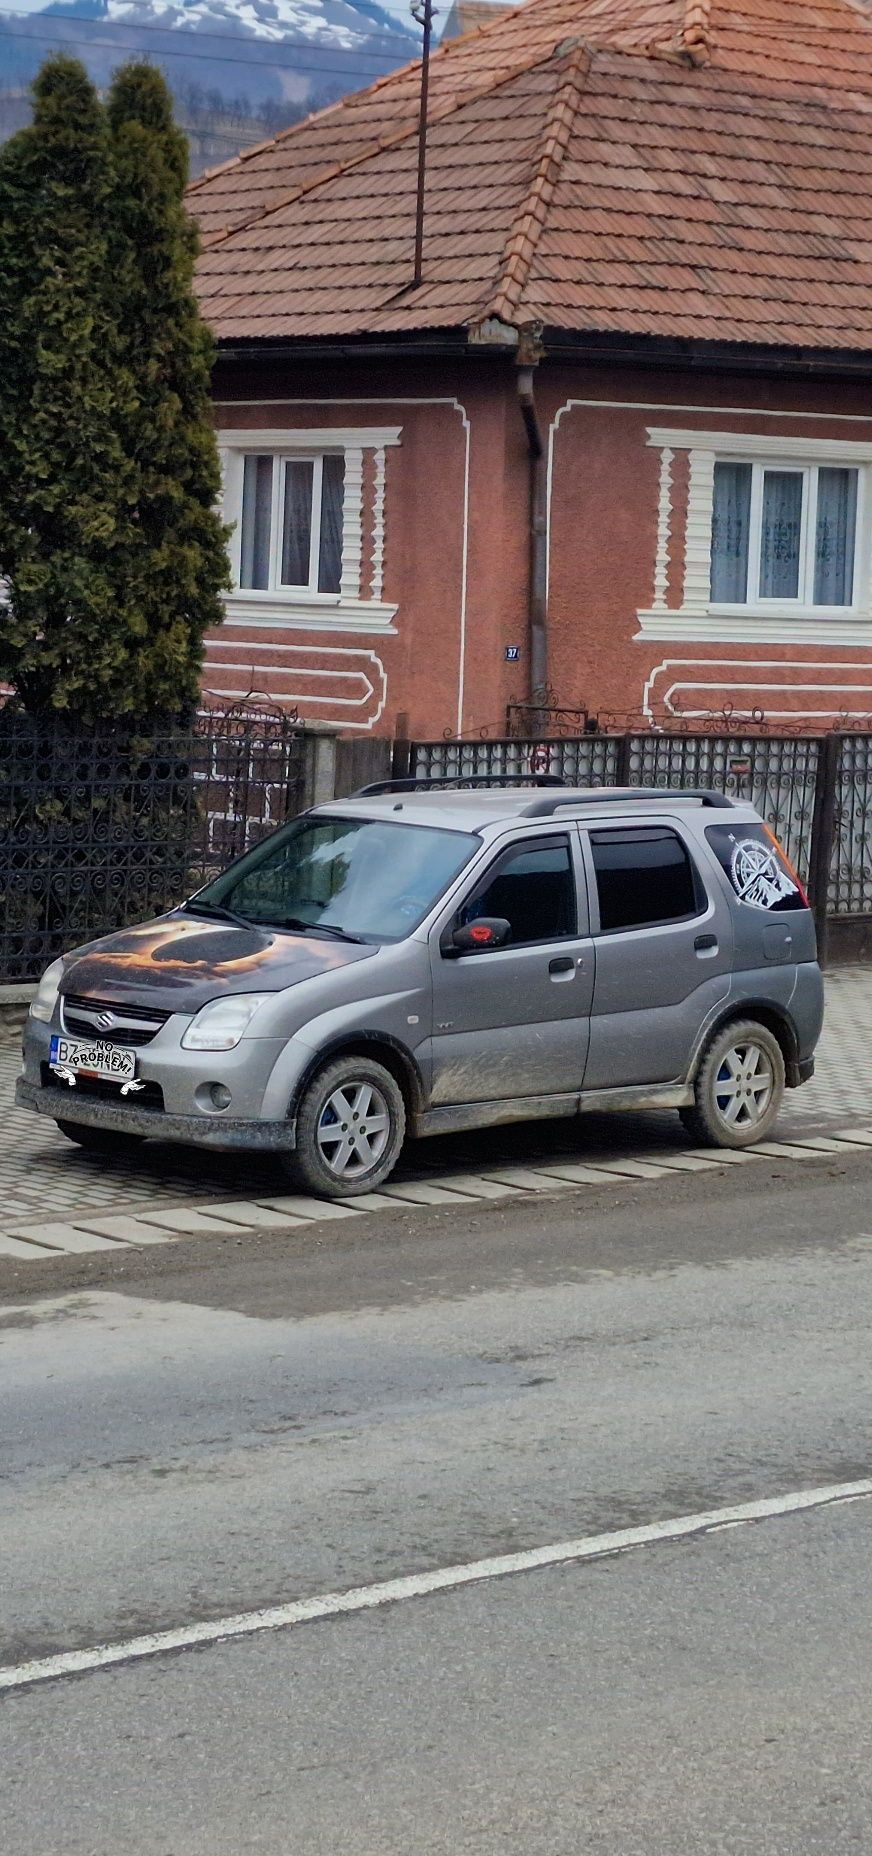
x=684 y=168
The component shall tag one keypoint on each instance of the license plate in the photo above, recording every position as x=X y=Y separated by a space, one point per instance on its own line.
x=97 y=1059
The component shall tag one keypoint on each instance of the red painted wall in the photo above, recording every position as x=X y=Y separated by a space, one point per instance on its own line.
x=458 y=571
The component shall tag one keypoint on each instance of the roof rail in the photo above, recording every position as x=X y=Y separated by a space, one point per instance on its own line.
x=427 y=781
x=612 y=795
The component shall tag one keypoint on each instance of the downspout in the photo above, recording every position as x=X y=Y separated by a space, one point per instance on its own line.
x=536 y=598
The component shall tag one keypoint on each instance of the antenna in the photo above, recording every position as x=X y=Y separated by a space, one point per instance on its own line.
x=423 y=13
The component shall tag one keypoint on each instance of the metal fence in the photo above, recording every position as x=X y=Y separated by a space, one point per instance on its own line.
x=104 y=829
x=814 y=790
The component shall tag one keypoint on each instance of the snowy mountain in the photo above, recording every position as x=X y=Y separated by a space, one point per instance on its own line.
x=349 y=25
x=239 y=71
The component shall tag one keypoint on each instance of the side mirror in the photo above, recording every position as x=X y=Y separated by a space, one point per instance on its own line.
x=478 y=937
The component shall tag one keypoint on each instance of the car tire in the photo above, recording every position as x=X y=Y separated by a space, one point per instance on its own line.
x=739 y=1087
x=351 y=1124
x=100 y=1140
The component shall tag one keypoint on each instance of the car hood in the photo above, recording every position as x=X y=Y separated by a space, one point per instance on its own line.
x=180 y=962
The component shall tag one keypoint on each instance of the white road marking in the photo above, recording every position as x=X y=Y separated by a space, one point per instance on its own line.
x=423 y=1584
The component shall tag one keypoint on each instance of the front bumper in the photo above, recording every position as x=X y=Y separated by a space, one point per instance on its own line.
x=261 y=1074
x=156 y=1125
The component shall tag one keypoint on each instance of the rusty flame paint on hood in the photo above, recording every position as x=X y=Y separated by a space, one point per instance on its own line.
x=180 y=961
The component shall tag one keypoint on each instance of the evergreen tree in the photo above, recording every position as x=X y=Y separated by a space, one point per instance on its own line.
x=112 y=551
x=176 y=567
x=65 y=483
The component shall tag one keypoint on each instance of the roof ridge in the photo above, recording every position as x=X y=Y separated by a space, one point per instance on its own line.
x=694 y=33
x=444 y=49
x=526 y=232
x=860 y=7
x=378 y=145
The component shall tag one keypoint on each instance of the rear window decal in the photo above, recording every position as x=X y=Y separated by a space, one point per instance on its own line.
x=758 y=877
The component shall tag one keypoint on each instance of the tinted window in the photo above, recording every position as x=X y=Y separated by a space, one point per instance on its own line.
x=372 y=878
x=532 y=887
x=759 y=874
x=642 y=877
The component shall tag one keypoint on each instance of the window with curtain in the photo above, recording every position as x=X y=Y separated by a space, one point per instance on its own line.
x=785 y=533
x=291 y=529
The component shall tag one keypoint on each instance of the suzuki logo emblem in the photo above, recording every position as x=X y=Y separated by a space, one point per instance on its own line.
x=105 y=1021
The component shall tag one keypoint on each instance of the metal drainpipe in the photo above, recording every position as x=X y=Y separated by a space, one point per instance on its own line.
x=538 y=618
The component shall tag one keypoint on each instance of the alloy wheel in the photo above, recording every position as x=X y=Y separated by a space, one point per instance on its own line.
x=353 y=1129
x=743 y=1085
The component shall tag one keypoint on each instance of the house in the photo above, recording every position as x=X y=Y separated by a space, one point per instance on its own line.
x=614 y=449
x=466 y=15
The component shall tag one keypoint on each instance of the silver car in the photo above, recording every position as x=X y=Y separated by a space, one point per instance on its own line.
x=408 y=962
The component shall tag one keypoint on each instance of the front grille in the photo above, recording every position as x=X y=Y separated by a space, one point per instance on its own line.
x=135 y=1024
x=149 y=1096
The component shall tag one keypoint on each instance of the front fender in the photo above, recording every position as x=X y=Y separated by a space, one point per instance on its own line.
x=387 y=1019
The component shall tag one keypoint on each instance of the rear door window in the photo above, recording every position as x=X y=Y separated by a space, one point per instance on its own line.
x=644 y=877
x=756 y=867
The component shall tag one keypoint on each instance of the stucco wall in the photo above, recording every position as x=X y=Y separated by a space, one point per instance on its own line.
x=456 y=506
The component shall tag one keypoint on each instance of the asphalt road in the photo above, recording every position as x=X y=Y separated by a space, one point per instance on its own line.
x=216 y=1426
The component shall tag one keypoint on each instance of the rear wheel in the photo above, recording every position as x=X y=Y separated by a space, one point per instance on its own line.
x=100 y=1140
x=350 y=1128
x=739 y=1087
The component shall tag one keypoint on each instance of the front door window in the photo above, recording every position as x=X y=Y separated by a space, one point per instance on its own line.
x=532 y=887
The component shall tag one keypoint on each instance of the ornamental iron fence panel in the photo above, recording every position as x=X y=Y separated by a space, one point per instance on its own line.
x=814 y=791
x=850 y=877
x=101 y=830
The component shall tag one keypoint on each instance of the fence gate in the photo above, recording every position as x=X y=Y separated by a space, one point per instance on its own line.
x=815 y=791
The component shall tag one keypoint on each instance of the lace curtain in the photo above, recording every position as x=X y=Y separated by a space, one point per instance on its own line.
x=835 y=537
x=730 y=526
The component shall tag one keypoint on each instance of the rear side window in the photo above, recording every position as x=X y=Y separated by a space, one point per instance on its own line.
x=756 y=868
x=532 y=888
x=643 y=877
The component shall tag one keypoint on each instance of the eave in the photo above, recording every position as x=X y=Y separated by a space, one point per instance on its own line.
x=564 y=345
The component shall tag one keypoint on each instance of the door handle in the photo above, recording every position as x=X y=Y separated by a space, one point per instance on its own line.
x=562 y=963
x=706 y=943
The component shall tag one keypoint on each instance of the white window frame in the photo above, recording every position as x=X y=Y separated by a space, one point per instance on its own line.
x=304 y=607
x=763 y=620
x=804 y=601
x=277 y=526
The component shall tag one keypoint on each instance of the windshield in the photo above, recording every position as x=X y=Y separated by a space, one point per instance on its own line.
x=369 y=879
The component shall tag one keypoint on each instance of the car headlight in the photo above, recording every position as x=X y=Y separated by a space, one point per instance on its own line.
x=43 y=1005
x=221 y=1024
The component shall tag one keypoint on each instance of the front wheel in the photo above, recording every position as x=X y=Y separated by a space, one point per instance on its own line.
x=351 y=1124
x=739 y=1087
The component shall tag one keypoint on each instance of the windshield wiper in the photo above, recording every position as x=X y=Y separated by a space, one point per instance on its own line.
x=197 y=906
x=295 y=924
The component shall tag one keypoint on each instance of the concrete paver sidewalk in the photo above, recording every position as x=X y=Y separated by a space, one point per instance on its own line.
x=44 y=1177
